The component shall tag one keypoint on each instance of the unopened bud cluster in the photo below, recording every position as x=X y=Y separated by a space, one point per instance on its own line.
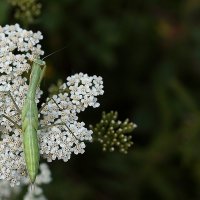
x=26 y=10
x=113 y=134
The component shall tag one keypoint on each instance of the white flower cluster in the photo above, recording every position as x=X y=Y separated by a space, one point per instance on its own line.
x=7 y=192
x=69 y=135
x=61 y=133
x=83 y=90
x=17 y=47
x=12 y=163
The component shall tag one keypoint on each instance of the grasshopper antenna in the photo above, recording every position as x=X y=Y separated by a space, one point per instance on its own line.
x=55 y=52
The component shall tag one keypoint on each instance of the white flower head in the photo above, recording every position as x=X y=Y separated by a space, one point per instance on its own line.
x=60 y=141
x=61 y=134
x=18 y=46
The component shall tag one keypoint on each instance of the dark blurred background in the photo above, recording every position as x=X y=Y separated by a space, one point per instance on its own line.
x=148 y=53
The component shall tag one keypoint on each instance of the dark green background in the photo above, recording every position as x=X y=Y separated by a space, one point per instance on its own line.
x=148 y=53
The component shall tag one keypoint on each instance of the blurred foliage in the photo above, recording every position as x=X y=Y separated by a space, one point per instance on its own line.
x=112 y=134
x=149 y=55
